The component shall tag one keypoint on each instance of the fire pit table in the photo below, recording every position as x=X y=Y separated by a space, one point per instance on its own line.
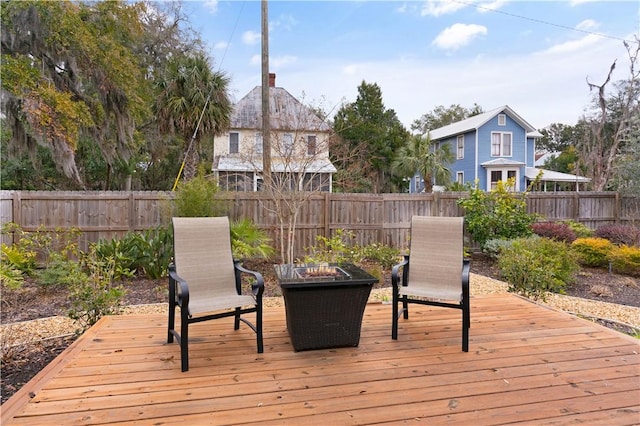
x=324 y=303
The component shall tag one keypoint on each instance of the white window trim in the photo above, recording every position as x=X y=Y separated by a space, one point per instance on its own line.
x=502 y=119
x=501 y=154
x=505 y=171
x=460 y=147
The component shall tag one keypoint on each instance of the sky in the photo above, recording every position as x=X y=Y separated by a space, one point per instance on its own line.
x=535 y=56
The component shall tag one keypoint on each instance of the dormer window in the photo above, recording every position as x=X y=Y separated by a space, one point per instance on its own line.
x=502 y=120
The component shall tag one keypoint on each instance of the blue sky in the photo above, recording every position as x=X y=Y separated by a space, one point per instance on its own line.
x=534 y=56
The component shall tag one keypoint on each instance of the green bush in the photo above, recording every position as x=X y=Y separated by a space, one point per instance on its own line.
x=534 y=266
x=93 y=294
x=337 y=249
x=381 y=254
x=499 y=213
x=10 y=277
x=581 y=230
x=247 y=241
x=495 y=246
x=625 y=259
x=197 y=198
x=593 y=251
x=60 y=273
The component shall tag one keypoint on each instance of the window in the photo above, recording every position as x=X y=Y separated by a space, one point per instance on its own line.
x=500 y=144
x=311 y=145
x=496 y=176
x=258 y=143
x=502 y=120
x=460 y=178
x=460 y=147
x=233 y=143
x=287 y=143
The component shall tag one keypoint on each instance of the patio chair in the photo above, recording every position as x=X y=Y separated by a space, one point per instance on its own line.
x=205 y=281
x=435 y=272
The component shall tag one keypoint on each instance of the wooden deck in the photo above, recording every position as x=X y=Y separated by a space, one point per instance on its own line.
x=527 y=364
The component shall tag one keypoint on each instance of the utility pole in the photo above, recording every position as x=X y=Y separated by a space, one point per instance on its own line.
x=266 y=130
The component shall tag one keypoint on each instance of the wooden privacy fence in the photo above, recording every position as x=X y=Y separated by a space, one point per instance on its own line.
x=382 y=218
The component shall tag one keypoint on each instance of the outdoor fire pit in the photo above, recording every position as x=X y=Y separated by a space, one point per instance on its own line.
x=324 y=303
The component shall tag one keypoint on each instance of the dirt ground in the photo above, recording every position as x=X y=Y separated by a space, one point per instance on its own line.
x=20 y=364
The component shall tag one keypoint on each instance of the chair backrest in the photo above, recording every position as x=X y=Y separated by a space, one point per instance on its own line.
x=202 y=255
x=436 y=254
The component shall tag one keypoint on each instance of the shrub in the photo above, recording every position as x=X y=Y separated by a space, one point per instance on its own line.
x=94 y=295
x=620 y=234
x=60 y=273
x=592 y=251
x=581 y=230
x=535 y=266
x=247 y=241
x=495 y=246
x=499 y=213
x=558 y=231
x=381 y=254
x=197 y=198
x=336 y=249
x=625 y=259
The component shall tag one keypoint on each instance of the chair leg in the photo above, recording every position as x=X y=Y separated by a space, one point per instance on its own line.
x=405 y=307
x=172 y=322
x=236 y=322
x=259 y=329
x=466 y=324
x=184 y=341
x=394 y=319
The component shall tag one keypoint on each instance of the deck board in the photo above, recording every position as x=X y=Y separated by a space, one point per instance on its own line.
x=527 y=364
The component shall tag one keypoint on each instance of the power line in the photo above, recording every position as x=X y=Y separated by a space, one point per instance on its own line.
x=540 y=21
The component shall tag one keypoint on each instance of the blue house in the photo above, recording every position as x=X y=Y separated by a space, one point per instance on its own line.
x=491 y=147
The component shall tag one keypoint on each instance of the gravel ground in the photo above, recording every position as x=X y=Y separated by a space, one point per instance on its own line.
x=44 y=328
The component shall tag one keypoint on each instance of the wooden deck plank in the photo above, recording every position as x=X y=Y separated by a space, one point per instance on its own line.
x=526 y=363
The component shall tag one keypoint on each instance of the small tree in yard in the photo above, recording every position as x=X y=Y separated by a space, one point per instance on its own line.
x=499 y=213
x=300 y=169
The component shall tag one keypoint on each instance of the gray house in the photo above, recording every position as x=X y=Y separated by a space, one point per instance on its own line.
x=299 y=144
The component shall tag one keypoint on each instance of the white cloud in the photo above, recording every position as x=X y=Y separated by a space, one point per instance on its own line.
x=441 y=7
x=491 y=6
x=221 y=45
x=573 y=45
x=579 y=2
x=588 y=25
x=256 y=60
x=282 y=61
x=251 y=37
x=211 y=6
x=458 y=35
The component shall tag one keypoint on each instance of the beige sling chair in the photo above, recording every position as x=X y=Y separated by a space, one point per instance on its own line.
x=205 y=281
x=435 y=271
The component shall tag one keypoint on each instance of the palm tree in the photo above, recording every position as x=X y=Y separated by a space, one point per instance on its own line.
x=193 y=102
x=420 y=155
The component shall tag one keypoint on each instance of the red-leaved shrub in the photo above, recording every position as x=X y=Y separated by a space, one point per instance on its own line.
x=558 y=231
x=620 y=234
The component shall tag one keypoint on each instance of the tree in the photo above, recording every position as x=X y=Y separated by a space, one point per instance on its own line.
x=557 y=137
x=441 y=116
x=608 y=129
x=369 y=136
x=193 y=101
x=68 y=69
x=420 y=155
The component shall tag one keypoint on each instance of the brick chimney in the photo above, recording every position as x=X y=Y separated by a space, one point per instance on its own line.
x=272 y=79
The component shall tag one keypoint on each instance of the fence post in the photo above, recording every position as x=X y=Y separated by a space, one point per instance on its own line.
x=327 y=212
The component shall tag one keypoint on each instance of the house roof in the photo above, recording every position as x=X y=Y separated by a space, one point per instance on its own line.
x=499 y=162
x=226 y=163
x=551 y=176
x=285 y=112
x=475 y=122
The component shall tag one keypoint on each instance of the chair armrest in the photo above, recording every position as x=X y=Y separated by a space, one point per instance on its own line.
x=180 y=297
x=396 y=271
x=257 y=287
x=466 y=268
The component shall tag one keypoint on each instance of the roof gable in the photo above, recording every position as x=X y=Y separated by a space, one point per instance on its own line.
x=477 y=121
x=285 y=112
